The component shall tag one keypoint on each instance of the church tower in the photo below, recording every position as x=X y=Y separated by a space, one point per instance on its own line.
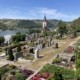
x=44 y=24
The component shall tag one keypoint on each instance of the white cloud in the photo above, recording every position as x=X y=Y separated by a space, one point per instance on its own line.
x=55 y=14
x=36 y=13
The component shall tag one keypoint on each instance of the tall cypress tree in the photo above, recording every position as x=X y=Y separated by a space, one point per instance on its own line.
x=10 y=53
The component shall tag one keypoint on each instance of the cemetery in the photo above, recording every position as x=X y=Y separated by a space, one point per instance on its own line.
x=53 y=53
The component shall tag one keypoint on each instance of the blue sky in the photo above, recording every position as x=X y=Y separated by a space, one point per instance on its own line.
x=35 y=9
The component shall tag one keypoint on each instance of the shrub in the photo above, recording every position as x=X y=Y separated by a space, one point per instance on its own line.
x=57 y=60
x=12 y=67
x=3 y=70
x=19 y=76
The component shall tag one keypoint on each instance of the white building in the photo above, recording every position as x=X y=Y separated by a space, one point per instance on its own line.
x=44 y=24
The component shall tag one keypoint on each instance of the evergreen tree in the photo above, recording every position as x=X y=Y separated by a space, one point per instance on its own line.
x=10 y=53
x=62 y=29
x=2 y=40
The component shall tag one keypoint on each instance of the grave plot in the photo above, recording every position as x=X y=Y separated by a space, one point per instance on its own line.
x=11 y=72
x=51 y=72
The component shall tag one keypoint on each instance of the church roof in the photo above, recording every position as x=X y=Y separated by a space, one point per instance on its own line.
x=44 y=17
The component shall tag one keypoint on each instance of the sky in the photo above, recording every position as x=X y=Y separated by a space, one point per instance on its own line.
x=66 y=10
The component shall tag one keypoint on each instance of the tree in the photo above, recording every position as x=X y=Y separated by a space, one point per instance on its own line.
x=2 y=40
x=18 y=37
x=23 y=37
x=10 y=53
x=62 y=29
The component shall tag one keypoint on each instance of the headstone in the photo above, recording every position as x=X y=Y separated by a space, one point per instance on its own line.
x=43 y=45
x=18 y=55
x=39 y=46
x=31 y=50
x=56 y=45
x=36 y=55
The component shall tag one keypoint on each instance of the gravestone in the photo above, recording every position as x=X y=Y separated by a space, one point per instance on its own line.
x=43 y=45
x=36 y=55
x=18 y=55
x=39 y=46
x=31 y=50
x=56 y=45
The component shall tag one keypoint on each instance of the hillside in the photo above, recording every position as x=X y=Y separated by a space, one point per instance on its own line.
x=75 y=24
x=24 y=24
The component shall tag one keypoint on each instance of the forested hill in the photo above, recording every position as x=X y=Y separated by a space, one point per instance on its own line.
x=24 y=24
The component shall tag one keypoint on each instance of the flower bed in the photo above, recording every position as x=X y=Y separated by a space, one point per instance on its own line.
x=11 y=72
x=48 y=71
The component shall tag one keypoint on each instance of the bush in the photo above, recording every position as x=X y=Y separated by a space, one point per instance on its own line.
x=2 y=40
x=3 y=70
x=19 y=76
x=57 y=60
x=18 y=37
x=12 y=67
x=78 y=73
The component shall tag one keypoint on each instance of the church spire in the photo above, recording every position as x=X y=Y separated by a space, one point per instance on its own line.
x=44 y=17
x=44 y=24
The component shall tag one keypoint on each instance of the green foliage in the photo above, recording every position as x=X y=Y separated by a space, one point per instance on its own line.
x=2 y=26
x=53 y=33
x=3 y=70
x=18 y=37
x=25 y=24
x=77 y=54
x=66 y=73
x=10 y=53
x=2 y=40
x=18 y=48
x=78 y=63
x=78 y=73
x=58 y=75
x=75 y=25
x=57 y=60
x=19 y=76
x=62 y=29
x=12 y=66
